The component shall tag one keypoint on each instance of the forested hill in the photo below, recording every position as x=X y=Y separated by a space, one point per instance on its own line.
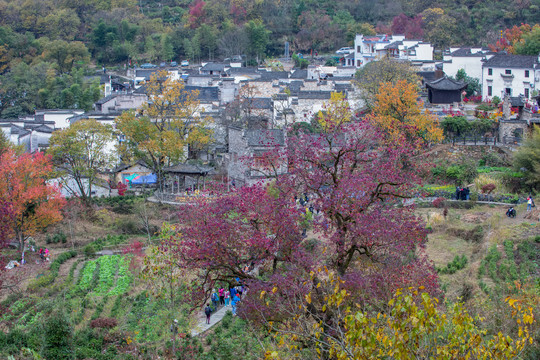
x=46 y=46
x=150 y=30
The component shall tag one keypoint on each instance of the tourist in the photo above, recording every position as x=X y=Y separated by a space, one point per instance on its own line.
x=530 y=203
x=208 y=312
x=511 y=212
x=221 y=296
x=227 y=297
x=234 y=302
x=215 y=299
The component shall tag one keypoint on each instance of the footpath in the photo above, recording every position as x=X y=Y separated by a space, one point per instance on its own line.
x=216 y=317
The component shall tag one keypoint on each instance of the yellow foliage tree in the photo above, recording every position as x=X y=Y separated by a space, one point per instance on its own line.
x=399 y=114
x=413 y=326
x=159 y=132
x=335 y=113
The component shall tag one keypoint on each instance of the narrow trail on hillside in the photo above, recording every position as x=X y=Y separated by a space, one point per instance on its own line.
x=216 y=317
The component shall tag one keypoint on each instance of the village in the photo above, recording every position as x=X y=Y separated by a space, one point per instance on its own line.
x=270 y=100
x=209 y=210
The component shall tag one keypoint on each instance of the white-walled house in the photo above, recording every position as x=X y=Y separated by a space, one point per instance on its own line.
x=371 y=48
x=514 y=75
x=59 y=116
x=468 y=58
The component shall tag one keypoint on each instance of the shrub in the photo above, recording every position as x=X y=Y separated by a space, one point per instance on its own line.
x=458 y=263
x=57 y=337
x=488 y=188
x=439 y=202
x=56 y=238
x=89 y=250
x=104 y=323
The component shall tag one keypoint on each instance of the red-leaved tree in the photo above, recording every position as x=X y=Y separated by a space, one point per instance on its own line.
x=411 y=27
x=34 y=204
x=354 y=182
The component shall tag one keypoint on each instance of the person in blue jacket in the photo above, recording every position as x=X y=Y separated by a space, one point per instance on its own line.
x=234 y=301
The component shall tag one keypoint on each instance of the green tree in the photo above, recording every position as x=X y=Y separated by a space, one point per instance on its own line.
x=81 y=153
x=65 y=54
x=529 y=43
x=473 y=84
x=439 y=27
x=58 y=337
x=527 y=160
x=167 y=50
x=258 y=38
x=372 y=75
x=206 y=37
x=455 y=126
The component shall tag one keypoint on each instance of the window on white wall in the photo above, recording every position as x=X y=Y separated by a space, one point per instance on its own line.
x=490 y=90
x=526 y=73
x=490 y=71
x=527 y=93
x=508 y=72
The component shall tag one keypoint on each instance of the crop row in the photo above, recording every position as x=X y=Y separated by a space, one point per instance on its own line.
x=124 y=278
x=87 y=276
x=107 y=270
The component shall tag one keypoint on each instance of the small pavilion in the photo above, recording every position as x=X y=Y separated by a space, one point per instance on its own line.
x=177 y=176
x=445 y=91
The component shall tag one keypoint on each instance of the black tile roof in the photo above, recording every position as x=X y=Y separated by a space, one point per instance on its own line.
x=106 y=99
x=214 y=67
x=512 y=61
x=261 y=103
x=394 y=45
x=243 y=70
x=44 y=129
x=206 y=93
x=342 y=87
x=189 y=169
x=322 y=95
x=265 y=137
x=445 y=83
x=466 y=51
x=273 y=75
x=299 y=74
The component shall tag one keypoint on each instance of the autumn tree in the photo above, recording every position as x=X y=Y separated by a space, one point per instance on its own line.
x=353 y=180
x=398 y=113
x=81 y=152
x=370 y=77
x=159 y=132
x=520 y=40
x=411 y=27
x=412 y=325
x=161 y=270
x=35 y=204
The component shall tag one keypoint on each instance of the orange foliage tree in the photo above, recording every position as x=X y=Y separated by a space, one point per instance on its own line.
x=34 y=204
x=512 y=37
x=398 y=113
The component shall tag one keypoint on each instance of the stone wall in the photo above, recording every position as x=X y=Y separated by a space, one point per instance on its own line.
x=509 y=128
x=455 y=153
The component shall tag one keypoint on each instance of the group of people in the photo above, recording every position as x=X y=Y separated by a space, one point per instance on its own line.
x=44 y=254
x=463 y=193
x=511 y=212
x=224 y=297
